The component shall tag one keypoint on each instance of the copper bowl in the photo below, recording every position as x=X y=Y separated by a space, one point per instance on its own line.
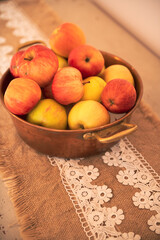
x=76 y=143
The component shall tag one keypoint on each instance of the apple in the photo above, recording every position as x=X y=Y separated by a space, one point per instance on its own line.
x=47 y=90
x=48 y=113
x=118 y=71
x=93 y=87
x=15 y=60
x=38 y=63
x=87 y=59
x=87 y=114
x=21 y=95
x=67 y=86
x=118 y=96
x=66 y=37
x=62 y=62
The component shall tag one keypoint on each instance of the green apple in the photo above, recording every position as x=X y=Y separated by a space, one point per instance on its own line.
x=48 y=113
x=88 y=114
x=93 y=87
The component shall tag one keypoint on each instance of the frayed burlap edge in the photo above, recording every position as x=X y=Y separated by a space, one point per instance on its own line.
x=17 y=193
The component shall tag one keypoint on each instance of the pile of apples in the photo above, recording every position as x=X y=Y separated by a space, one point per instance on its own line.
x=67 y=86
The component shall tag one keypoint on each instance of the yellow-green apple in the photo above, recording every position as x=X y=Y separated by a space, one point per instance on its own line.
x=15 y=62
x=66 y=37
x=39 y=63
x=62 y=62
x=87 y=59
x=118 y=71
x=119 y=96
x=67 y=85
x=93 y=87
x=48 y=113
x=88 y=114
x=21 y=95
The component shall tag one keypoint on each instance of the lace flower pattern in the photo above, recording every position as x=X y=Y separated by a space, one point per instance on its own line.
x=77 y=181
x=104 y=194
x=154 y=223
x=139 y=174
x=88 y=200
x=126 y=236
x=127 y=177
x=129 y=236
x=114 y=216
x=142 y=199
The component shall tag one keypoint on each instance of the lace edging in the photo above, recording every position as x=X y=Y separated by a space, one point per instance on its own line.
x=98 y=221
x=143 y=161
x=54 y=162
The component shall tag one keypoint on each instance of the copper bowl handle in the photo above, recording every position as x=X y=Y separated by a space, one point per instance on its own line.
x=29 y=43
x=115 y=137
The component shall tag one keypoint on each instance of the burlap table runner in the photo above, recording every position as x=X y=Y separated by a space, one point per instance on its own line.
x=42 y=204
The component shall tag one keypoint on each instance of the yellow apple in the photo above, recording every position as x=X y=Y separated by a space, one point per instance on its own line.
x=48 y=113
x=88 y=114
x=62 y=61
x=118 y=71
x=93 y=87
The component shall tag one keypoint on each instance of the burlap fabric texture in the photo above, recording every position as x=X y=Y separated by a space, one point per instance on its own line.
x=43 y=208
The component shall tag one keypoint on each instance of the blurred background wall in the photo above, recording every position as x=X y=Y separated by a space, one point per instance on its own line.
x=140 y=17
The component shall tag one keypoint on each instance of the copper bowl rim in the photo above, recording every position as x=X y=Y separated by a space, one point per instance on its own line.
x=83 y=131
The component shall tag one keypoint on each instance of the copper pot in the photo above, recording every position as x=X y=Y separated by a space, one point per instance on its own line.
x=76 y=143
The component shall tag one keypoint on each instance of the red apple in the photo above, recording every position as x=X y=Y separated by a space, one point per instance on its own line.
x=39 y=63
x=21 y=95
x=87 y=59
x=118 y=96
x=67 y=86
x=15 y=61
x=66 y=37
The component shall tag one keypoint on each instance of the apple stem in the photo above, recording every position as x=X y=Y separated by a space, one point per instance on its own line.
x=81 y=126
x=111 y=102
x=85 y=82
x=28 y=59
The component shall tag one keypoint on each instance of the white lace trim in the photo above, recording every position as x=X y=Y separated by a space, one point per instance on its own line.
x=139 y=174
x=88 y=198
x=98 y=221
